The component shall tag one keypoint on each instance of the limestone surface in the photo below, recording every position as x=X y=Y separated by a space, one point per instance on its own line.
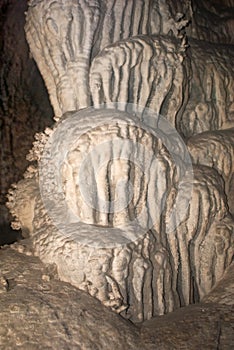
x=40 y=312
x=113 y=199
x=158 y=250
x=215 y=149
x=64 y=43
x=37 y=311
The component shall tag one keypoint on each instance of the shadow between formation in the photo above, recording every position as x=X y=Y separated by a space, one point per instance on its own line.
x=8 y=235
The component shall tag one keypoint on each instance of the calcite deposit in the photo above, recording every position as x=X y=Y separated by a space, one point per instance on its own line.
x=127 y=193
x=215 y=149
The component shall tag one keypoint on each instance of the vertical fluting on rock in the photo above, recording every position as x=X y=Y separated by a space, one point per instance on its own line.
x=61 y=43
x=69 y=34
x=115 y=53
x=211 y=88
x=146 y=71
x=216 y=150
x=173 y=262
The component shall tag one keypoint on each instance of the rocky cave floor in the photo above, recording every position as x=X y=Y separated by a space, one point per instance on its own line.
x=38 y=311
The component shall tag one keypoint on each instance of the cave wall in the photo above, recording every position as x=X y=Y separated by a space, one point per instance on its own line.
x=24 y=105
x=212 y=21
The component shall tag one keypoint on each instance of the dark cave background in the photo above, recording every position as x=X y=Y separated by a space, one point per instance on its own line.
x=24 y=104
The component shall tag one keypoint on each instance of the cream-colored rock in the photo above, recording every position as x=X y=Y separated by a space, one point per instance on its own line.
x=216 y=150
x=120 y=211
x=112 y=171
x=188 y=84
x=201 y=246
x=142 y=256
x=70 y=33
x=211 y=89
x=147 y=71
x=21 y=203
x=61 y=44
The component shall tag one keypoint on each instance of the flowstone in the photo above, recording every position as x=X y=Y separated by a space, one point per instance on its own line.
x=112 y=196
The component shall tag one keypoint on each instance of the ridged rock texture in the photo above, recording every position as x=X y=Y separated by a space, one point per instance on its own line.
x=137 y=273
x=216 y=150
x=64 y=52
x=172 y=238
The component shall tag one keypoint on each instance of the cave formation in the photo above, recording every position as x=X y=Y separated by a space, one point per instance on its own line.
x=132 y=63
